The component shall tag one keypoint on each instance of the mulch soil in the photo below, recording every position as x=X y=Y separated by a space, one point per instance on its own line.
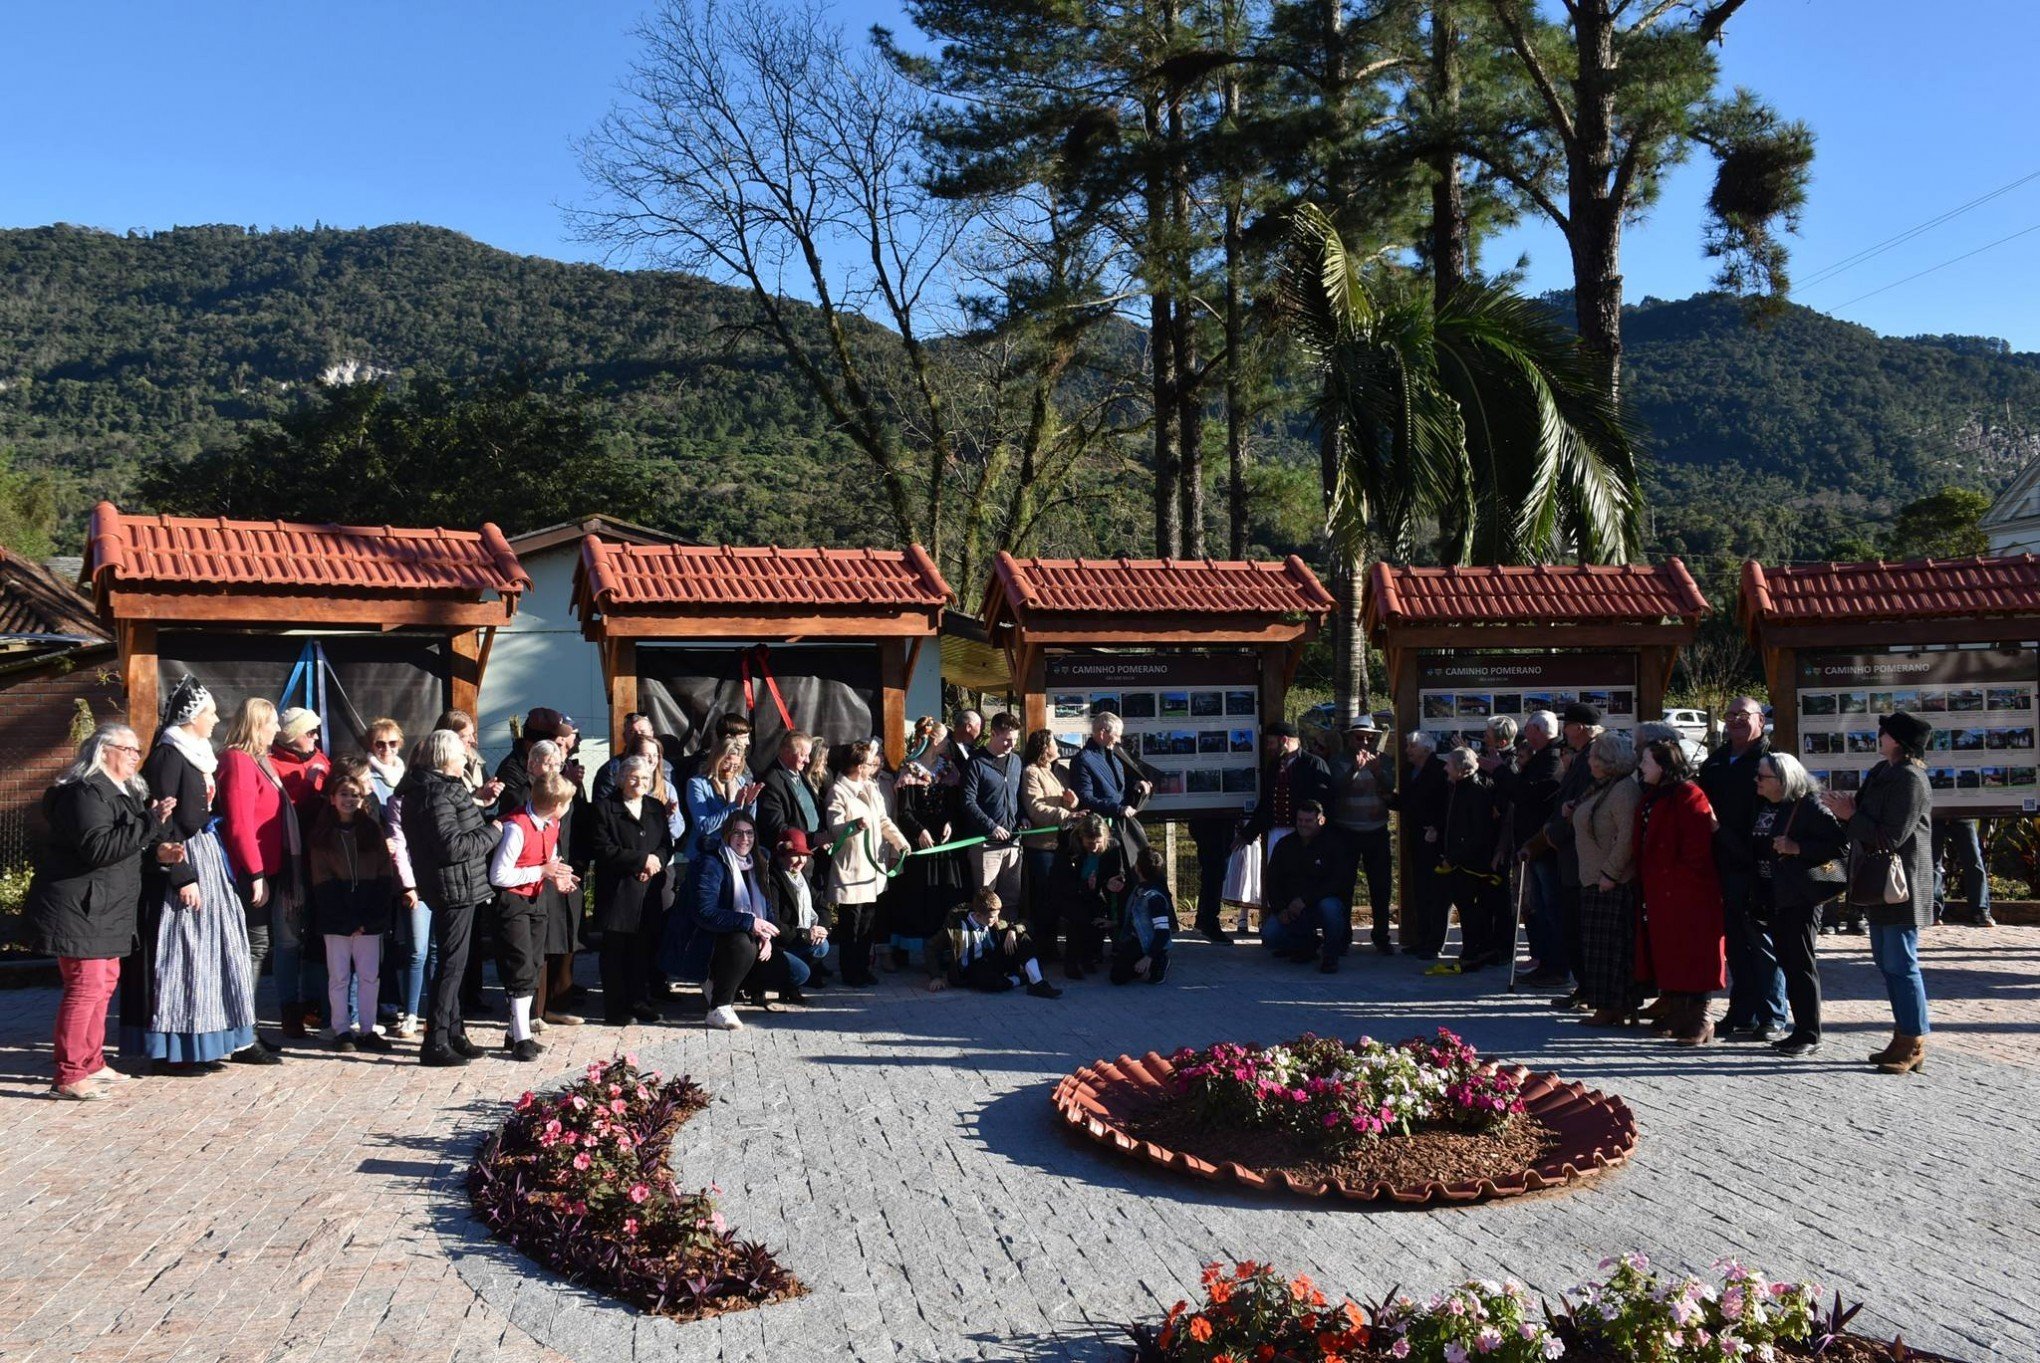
x=1432 y=1154
x=1847 y=1349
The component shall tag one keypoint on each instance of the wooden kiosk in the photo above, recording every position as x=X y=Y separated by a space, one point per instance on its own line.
x=825 y=638
x=1192 y=655
x=1464 y=645
x=369 y=620
x=1950 y=640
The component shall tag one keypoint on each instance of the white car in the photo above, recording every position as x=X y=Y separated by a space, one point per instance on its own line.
x=1692 y=724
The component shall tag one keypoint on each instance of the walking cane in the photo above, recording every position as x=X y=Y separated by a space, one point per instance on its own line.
x=1516 y=921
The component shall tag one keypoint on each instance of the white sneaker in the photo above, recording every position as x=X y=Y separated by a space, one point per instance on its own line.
x=725 y=1019
x=406 y=1027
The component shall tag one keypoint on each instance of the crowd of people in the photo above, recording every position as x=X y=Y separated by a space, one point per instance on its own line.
x=1648 y=884
x=372 y=887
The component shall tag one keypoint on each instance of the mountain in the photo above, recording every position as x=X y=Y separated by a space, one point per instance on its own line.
x=1778 y=436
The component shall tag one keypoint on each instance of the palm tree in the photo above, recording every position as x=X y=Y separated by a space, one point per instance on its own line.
x=1474 y=413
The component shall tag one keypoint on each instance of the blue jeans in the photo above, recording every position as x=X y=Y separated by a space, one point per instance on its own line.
x=1330 y=915
x=1896 y=950
x=1756 y=982
x=796 y=969
x=414 y=956
x=1546 y=914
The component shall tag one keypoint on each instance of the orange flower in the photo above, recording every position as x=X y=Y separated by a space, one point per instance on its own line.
x=1355 y=1317
x=1221 y=1292
x=1211 y=1274
x=1245 y=1269
x=1299 y=1286
x=1200 y=1329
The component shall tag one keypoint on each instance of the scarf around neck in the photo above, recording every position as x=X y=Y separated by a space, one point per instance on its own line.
x=744 y=896
x=390 y=773
x=194 y=749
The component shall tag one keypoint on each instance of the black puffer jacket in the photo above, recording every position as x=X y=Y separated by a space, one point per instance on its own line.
x=88 y=884
x=449 y=841
x=1473 y=823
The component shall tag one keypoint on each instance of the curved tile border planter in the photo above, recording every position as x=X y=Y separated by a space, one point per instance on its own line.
x=1595 y=1131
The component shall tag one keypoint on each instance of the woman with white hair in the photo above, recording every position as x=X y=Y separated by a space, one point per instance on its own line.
x=189 y=1000
x=88 y=883
x=1604 y=842
x=1800 y=849
x=449 y=844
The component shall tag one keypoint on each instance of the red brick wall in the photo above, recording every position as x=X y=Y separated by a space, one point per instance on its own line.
x=36 y=712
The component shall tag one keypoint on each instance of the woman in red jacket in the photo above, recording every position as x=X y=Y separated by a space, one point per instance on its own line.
x=1680 y=939
x=261 y=835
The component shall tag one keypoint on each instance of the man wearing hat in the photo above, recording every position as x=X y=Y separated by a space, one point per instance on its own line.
x=1289 y=777
x=1756 y=983
x=1362 y=783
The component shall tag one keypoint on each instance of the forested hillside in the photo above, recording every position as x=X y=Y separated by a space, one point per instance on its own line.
x=1780 y=438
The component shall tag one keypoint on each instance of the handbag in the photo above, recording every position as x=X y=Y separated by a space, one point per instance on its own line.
x=1877 y=876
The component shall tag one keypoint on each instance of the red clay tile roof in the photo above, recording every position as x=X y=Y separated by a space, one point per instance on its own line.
x=34 y=600
x=1925 y=589
x=622 y=576
x=1562 y=593
x=1146 y=586
x=272 y=556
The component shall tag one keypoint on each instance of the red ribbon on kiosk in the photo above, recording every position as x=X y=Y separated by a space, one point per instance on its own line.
x=763 y=658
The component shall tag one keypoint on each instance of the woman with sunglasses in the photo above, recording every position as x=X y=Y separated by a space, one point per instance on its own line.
x=1799 y=848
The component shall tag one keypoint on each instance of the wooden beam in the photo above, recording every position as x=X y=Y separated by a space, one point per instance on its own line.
x=1139 y=632
x=892 y=679
x=292 y=612
x=1274 y=685
x=1781 y=670
x=1875 y=636
x=1653 y=674
x=914 y=657
x=1032 y=679
x=466 y=648
x=769 y=628
x=138 y=664
x=1558 y=634
x=482 y=663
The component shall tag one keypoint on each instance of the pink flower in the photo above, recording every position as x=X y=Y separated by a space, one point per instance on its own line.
x=630 y=1059
x=524 y=1103
x=580 y=1103
x=639 y=1192
x=630 y=1225
x=716 y=1223
x=581 y=1161
x=616 y=1105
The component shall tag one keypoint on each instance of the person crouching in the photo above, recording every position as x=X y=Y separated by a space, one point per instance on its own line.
x=353 y=882
x=978 y=949
x=527 y=872
x=1140 y=949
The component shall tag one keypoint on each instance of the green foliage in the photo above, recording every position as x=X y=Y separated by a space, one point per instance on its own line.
x=1944 y=525
x=28 y=509
x=355 y=452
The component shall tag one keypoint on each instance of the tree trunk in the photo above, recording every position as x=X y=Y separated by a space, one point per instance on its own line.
x=1190 y=430
x=1593 y=202
x=1162 y=346
x=1448 y=193
x=1235 y=372
x=1349 y=645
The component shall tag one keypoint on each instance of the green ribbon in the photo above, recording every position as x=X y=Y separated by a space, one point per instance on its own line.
x=871 y=853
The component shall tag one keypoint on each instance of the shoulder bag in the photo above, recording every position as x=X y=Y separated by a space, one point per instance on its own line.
x=1877 y=876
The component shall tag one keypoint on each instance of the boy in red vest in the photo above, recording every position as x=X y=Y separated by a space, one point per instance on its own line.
x=527 y=869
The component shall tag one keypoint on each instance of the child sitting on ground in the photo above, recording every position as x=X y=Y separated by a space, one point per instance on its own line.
x=979 y=950
x=1140 y=947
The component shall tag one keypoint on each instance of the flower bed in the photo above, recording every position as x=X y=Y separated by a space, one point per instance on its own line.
x=1250 y=1314
x=579 y=1181
x=1417 y=1121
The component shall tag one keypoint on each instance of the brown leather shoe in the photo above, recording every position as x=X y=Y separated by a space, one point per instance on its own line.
x=1909 y=1054
x=1891 y=1050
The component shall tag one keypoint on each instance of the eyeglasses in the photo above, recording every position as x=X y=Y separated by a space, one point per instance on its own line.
x=736 y=833
x=124 y=747
x=387 y=743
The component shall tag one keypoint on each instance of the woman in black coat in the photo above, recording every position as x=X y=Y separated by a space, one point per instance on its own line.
x=82 y=904
x=449 y=842
x=632 y=844
x=1800 y=849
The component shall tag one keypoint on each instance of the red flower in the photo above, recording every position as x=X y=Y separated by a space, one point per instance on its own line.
x=1200 y=1329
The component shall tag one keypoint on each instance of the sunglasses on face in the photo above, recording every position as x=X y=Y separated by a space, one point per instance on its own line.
x=387 y=743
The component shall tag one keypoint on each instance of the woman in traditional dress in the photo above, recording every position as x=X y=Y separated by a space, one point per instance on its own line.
x=188 y=996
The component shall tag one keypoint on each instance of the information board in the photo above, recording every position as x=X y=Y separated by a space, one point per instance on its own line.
x=1194 y=721
x=1981 y=702
x=1458 y=693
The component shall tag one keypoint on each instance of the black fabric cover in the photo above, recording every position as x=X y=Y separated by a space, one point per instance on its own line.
x=831 y=689
x=406 y=677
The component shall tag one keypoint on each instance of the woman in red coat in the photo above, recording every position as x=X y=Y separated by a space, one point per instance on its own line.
x=1680 y=940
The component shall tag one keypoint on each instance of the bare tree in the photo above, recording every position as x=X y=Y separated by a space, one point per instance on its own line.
x=756 y=147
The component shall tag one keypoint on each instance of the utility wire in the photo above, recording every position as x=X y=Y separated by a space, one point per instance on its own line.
x=1932 y=268
x=1870 y=252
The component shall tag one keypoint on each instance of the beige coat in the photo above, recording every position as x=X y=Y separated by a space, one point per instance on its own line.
x=1041 y=803
x=1604 y=832
x=853 y=878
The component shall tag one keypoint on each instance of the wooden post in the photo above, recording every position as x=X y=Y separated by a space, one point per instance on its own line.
x=1781 y=670
x=892 y=677
x=1034 y=686
x=1169 y=856
x=466 y=648
x=138 y=663
x=1274 y=683
x=1653 y=668
x=619 y=672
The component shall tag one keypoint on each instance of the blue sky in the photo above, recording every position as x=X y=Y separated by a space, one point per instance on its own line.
x=121 y=114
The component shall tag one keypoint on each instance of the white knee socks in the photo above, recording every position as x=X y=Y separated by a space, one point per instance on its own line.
x=520 y=1018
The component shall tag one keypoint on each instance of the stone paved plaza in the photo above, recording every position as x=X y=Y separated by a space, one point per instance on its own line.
x=897 y=1148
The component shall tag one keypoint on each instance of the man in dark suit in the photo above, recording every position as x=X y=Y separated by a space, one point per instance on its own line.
x=1290 y=777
